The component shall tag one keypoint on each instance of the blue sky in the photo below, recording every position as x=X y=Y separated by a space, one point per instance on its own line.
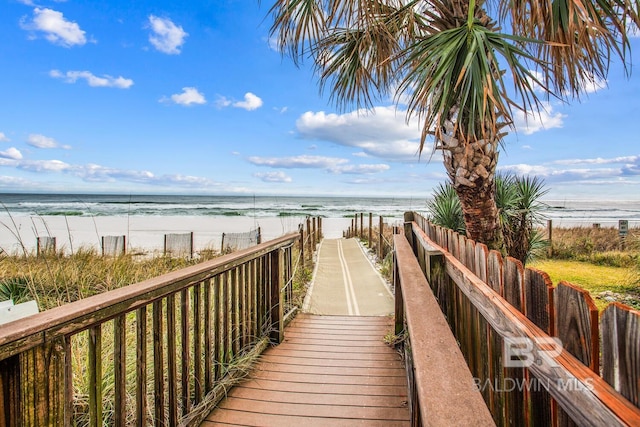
x=191 y=98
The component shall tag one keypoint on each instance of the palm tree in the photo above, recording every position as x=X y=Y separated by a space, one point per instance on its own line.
x=520 y=212
x=465 y=73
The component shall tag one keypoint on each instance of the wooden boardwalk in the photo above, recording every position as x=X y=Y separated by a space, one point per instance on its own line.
x=329 y=371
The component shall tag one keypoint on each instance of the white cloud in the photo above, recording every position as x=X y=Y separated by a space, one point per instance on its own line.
x=97 y=173
x=41 y=141
x=3 y=137
x=311 y=162
x=166 y=36
x=591 y=84
x=44 y=166
x=92 y=80
x=189 y=96
x=534 y=122
x=273 y=176
x=359 y=169
x=222 y=102
x=599 y=161
x=251 y=102
x=331 y=164
x=11 y=153
x=632 y=28
x=383 y=132
x=55 y=27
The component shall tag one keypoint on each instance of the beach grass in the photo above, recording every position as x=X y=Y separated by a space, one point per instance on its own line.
x=55 y=279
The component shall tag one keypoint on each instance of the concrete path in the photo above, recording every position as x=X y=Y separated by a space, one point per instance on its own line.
x=346 y=283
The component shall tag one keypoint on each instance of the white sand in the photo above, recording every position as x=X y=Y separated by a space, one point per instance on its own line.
x=145 y=233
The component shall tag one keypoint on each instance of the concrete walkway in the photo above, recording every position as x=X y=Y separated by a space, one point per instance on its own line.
x=346 y=283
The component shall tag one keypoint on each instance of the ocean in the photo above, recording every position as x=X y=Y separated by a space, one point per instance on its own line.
x=562 y=212
x=81 y=220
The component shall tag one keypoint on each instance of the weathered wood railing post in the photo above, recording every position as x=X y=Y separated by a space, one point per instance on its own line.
x=361 y=225
x=370 y=228
x=314 y=233
x=381 y=239
x=277 y=296
x=311 y=247
x=408 y=219
x=302 y=254
x=399 y=301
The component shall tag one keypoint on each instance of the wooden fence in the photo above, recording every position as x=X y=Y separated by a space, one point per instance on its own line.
x=376 y=237
x=159 y=352
x=534 y=349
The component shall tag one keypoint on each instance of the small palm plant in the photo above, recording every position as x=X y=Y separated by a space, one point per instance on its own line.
x=519 y=207
x=445 y=210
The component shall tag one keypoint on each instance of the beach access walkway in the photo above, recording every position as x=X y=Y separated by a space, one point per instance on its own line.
x=334 y=367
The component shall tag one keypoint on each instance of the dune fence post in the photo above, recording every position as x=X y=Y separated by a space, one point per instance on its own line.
x=45 y=245
x=550 y=237
x=370 y=229
x=380 y=238
x=113 y=245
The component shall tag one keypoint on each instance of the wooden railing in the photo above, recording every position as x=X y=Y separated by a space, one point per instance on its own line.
x=533 y=349
x=441 y=391
x=159 y=352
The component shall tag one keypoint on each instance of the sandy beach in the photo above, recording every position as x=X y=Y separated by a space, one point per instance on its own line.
x=145 y=233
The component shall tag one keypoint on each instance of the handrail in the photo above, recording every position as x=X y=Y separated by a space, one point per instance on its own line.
x=442 y=385
x=82 y=314
x=181 y=332
x=581 y=393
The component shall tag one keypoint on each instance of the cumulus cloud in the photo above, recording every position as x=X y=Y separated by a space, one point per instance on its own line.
x=91 y=79
x=623 y=169
x=534 y=122
x=303 y=162
x=55 y=27
x=334 y=165
x=40 y=141
x=44 y=165
x=166 y=36
x=591 y=84
x=251 y=102
x=359 y=169
x=11 y=153
x=273 y=176
x=599 y=161
x=382 y=133
x=3 y=137
x=98 y=173
x=189 y=96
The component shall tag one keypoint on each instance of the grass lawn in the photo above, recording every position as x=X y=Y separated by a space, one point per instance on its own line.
x=594 y=278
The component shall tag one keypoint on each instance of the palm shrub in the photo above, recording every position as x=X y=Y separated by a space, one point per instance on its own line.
x=444 y=208
x=519 y=207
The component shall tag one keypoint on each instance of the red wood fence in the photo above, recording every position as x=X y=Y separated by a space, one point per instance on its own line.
x=539 y=354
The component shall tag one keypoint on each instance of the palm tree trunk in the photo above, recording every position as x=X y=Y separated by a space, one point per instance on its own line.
x=471 y=167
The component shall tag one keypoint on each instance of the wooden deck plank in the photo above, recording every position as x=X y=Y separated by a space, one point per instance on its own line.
x=328 y=379
x=311 y=398
x=241 y=418
x=329 y=355
x=329 y=371
x=371 y=390
x=314 y=410
x=392 y=363
x=287 y=367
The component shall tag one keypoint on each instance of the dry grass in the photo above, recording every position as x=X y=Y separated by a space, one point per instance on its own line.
x=56 y=279
x=601 y=246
